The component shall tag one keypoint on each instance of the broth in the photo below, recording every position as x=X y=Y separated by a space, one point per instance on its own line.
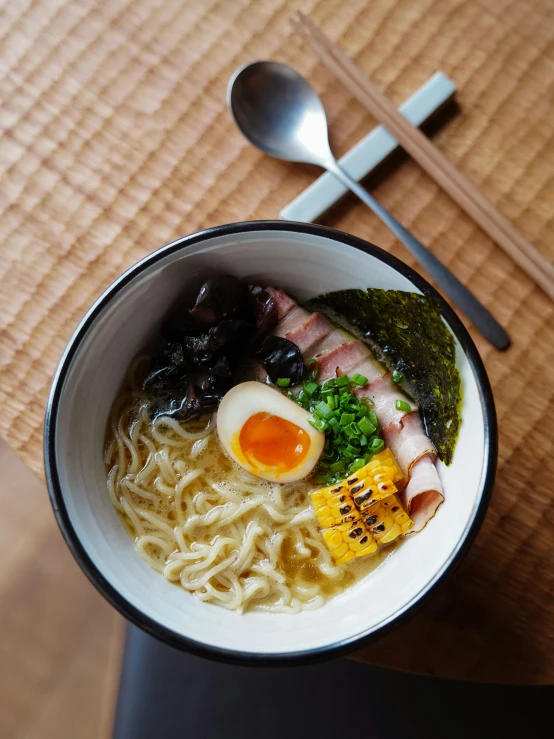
x=206 y=524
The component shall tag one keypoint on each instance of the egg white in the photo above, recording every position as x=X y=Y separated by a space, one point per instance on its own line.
x=247 y=399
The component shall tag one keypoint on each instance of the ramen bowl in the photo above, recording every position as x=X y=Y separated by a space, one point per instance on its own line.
x=305 y=261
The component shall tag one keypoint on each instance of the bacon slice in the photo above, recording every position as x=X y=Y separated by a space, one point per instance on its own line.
x=369 y=368
x=416 y=457
x=346 y=356
x=283 y=303
x=305 y=331
x=423 y=494
x=384 y=393
x=408 y=441
x=403 y=432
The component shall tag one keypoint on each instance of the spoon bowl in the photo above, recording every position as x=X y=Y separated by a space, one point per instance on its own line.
x=279 y=112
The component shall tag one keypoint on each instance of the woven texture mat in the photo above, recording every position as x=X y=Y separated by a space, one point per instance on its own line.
x=116 y=140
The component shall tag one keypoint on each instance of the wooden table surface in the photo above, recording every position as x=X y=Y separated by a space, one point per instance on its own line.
x=116 y=140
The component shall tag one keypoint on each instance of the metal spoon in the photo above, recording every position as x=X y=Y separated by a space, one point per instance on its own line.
x=278 y=111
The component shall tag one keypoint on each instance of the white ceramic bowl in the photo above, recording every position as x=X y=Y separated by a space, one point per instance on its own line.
x=306 y=261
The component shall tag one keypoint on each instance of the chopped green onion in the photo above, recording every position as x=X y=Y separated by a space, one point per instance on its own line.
x=317 y=422
x=313 y=368
x=377 y=445
x=334 y=425
x=397 y=376
x=352 y=432
x=366 y=427
x=357 y=464
x=359 y=380
x=323 y=410
x=351 y=429
x=367 y=401
x=401 y=405
x=283 y=381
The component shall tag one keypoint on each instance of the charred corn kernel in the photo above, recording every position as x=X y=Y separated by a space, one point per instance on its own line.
x=399 y=514
x=393 y=533
x=383 y=527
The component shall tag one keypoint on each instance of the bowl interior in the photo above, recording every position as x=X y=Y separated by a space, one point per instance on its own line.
x=305 y=265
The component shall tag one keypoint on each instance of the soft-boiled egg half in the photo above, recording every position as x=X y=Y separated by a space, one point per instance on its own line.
x=267 y=433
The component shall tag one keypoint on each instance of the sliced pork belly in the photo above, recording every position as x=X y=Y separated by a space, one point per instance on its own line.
x=333 y=340
x=283 y=303
x=408 y=441
x=403 y=433
x=384 y=393
x=423 y=493
x=345 y=357
x=306 y=330
x=416 y=457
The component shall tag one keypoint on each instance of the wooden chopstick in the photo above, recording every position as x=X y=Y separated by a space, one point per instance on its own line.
x=460 y=189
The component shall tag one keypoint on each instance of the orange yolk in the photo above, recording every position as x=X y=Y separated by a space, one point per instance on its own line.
x=273 y=441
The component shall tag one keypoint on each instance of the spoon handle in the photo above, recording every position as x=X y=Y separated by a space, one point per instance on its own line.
x=458 y=292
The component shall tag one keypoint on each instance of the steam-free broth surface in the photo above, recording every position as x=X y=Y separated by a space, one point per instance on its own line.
x=204 y=523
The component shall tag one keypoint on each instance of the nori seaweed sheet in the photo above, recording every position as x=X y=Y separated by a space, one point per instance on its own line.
x=406 y=333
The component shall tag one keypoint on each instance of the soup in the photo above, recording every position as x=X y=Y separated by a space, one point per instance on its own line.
x=207 y=525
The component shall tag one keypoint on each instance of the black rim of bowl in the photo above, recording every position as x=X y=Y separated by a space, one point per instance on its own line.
x=173 y=638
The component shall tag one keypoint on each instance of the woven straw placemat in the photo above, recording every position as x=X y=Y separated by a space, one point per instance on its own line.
x=116 y=140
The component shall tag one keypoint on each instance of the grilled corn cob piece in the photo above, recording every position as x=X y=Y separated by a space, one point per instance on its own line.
x=362 y=513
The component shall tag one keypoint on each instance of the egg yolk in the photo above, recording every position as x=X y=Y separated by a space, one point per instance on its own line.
x=273 y=441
